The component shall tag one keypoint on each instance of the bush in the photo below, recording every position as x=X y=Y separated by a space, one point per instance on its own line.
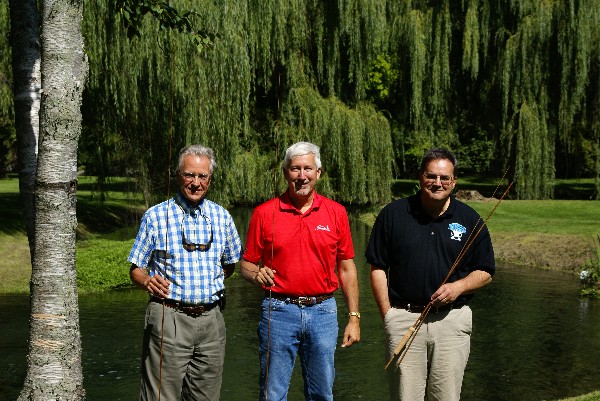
x=590 y=274
x=102 y=264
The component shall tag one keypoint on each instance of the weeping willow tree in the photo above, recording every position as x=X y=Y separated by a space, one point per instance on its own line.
x=525 y=106
x=236 y=95
x=578 y=40
x=356 y=161
x=546 y=66
x=502 y=83
x=420 y=46
x=169 y=94
x=513 y=79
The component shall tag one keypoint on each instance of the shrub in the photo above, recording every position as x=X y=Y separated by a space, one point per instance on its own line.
x=102 y=264
x=590 y=274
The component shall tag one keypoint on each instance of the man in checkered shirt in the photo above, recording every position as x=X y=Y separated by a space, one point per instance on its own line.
x=185 y=248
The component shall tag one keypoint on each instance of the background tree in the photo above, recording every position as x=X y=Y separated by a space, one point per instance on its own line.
x=502 y=83
x=54 y=358
x=26 y=58
x=7 y=127
x=237 y=97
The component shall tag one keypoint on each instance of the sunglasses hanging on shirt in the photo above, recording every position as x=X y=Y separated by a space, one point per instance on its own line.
x=196 y=232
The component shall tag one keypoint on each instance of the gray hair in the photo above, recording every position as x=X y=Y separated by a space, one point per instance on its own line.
x=301 y=149
x=197 y=150
x=438 y=154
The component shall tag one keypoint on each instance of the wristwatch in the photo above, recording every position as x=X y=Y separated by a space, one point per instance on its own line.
x=357 y=314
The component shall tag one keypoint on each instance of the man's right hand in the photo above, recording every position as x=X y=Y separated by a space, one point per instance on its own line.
x=265 y=276
x=157 y=286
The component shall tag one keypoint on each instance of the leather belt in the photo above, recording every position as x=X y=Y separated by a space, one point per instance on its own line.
x=305 y=301
x=193 y=310
x=420 y=308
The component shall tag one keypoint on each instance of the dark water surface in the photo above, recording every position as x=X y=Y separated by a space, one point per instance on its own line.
x=534 y=339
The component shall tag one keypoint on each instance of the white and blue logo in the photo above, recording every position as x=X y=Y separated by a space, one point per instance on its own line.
x=457 y=231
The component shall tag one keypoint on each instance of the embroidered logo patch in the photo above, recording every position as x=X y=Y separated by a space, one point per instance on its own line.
x=321 y=227
x=456 y=231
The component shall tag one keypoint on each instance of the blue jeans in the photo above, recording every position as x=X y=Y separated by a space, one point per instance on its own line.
x=284 y=331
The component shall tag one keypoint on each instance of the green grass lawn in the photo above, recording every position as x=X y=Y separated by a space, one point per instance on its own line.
x=574 y=217
x=568 y=217
x=595 y=396
x=571 y=189
x=104 y=235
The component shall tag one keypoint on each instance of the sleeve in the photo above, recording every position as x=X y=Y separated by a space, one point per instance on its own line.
x=144 y=243
x=254 y=239
x=345 y=248
x=377 y=247
x=233 y=244
x=482 y=255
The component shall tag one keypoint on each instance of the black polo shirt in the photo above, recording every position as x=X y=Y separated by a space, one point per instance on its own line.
x=418 y=251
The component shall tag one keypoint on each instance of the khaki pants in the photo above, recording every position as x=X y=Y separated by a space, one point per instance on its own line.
x=193 y=354
x=434 y=365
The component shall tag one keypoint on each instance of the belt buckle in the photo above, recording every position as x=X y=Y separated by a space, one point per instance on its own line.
x=305 y=301
x=194 y=311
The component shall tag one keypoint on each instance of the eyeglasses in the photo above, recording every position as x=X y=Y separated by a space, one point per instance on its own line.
x=444 y=179
x=198 y=238
x=189 y=177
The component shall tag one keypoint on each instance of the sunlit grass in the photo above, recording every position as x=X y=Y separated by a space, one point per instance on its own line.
x=595 y=396
x=15 y=266
x=553 y=216
x=102 y=264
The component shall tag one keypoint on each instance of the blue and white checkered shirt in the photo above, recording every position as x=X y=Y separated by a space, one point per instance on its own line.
x=196 y=273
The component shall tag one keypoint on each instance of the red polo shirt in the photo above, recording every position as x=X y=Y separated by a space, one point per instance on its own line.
x=307 y=247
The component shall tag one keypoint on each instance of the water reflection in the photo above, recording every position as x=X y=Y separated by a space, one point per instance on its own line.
x=534 y=339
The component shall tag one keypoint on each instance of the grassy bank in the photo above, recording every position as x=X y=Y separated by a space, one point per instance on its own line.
x=104 y=235
x=595 y=396
x=554 y=234
x=557 y=234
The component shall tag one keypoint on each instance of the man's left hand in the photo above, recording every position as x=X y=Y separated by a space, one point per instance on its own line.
x=445 y=295
x=352 y=333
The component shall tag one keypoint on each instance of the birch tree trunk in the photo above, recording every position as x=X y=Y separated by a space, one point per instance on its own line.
x=25 y=43
x=54 y=362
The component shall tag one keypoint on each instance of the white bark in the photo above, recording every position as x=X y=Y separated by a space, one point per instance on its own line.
x=54 y=360
x=25 y=43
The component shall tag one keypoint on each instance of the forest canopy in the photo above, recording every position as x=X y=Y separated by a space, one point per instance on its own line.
x=504 y=84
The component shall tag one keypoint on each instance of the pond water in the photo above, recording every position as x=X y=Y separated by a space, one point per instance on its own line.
x=534 y=338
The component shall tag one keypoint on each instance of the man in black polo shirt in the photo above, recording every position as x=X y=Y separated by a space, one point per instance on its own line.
x=413 y=245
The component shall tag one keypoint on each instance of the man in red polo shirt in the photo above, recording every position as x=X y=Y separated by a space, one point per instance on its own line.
x=301 y=238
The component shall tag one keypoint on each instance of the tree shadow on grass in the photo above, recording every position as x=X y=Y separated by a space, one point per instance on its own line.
x=93 y=216
x=11 y=214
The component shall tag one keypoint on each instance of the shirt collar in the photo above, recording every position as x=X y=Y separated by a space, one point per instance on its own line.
x=286 y=204
x=187 y=207
x=416 y=207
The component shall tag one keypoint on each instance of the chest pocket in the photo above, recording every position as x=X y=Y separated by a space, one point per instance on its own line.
x=164 y=254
